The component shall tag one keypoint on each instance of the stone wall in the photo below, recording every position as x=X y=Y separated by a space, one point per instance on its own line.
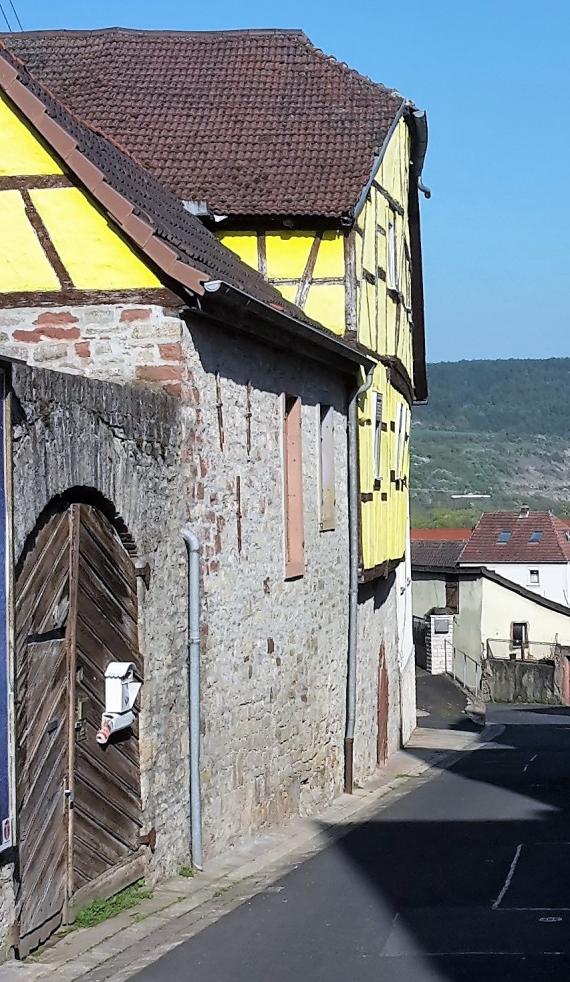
x=274 y=656
x=377 y=626
x=273 y=650
x=115 y=343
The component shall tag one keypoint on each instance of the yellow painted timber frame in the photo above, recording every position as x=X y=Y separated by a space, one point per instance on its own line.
x=358 y=282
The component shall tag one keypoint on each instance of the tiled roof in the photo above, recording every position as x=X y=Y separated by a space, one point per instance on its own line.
x=252 y=122
x=432 y=553
x=552 y=543
x=440 y=535
x=150 y=214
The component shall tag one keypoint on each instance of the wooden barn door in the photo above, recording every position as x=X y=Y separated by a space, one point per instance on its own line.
x=79 y=807
x=42 y=722
x=106 y=817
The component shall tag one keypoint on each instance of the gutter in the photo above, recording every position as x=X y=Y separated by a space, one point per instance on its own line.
x=378 y=159
x=302 y=330
x=353 y=522
x=193 y=549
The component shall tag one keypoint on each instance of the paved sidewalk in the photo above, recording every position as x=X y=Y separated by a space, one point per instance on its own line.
x=182 y=907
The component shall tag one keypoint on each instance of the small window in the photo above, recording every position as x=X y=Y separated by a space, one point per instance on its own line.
x=293 y=488
x=535 y=537
x=534 y=579
x=378 y=437
x=326 y=469
x=392 y=252
x=452 y=594
x=520 y=635
x=504 y=537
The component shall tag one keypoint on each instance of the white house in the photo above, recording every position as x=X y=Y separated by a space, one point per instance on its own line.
x=531 y=548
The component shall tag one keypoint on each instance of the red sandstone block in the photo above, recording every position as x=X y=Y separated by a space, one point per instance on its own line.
x=158 y=373
x=171 y=352
x=136 y=314
x=173 y=388
x=55 y=317
x=61 y=333
x=83 y=349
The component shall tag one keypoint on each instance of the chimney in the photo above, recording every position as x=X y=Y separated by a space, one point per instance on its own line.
x=524 y=512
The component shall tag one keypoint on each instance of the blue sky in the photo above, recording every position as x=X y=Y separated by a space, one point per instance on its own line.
x=494 y=76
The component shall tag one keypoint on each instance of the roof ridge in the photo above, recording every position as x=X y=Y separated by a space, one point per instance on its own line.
x=82 y=31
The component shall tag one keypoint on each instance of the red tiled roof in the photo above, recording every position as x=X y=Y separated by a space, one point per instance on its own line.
x=440 y=535
x=252 y=122
x=484 y=546
x=153 y=217
x=436 y=552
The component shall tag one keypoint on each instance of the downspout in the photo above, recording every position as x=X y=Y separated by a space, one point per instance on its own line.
x=353 y=520
x=193 y=549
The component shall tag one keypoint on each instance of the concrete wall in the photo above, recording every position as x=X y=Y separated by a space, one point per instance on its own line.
x=522 y=682
x=467 y=634
x=428 y=591
x=553 y=578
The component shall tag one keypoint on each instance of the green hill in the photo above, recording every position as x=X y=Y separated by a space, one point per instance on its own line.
x=500 y=428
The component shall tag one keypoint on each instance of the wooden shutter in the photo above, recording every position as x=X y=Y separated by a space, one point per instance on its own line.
x=293 y=488
x=377 y=455
x=452 y=595
x=326 y=469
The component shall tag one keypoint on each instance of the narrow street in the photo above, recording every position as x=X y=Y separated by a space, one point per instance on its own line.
x=465 y=878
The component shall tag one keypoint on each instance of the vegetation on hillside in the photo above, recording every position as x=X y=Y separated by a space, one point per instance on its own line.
x=499 y=428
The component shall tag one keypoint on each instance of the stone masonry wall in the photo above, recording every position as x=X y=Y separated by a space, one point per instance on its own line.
x=377 y=626
x=274 y=655
x=274 y=651
x=115 y=343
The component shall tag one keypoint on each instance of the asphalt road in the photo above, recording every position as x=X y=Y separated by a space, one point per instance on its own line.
x=465 y=879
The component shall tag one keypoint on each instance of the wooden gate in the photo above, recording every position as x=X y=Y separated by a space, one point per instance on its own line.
x=79 y=807
x=383 y=708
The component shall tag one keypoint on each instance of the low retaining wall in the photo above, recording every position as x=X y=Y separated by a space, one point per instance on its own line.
x=544 y=682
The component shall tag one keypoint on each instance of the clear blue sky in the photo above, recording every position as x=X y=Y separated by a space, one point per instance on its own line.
x=494 y=76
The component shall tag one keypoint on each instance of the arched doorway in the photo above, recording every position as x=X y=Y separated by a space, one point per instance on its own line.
x=78 y=803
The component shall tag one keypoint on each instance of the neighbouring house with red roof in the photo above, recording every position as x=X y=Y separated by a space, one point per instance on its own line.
x=531 y=548
x=480 y=605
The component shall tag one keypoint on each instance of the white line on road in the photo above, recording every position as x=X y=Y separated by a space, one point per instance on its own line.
x=510 y=875
x=526 y=766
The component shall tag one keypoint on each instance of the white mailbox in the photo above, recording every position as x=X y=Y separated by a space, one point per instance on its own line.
x=121 y=690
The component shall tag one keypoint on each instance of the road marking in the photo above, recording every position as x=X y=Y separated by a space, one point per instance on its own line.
x=550 y=920
x=510 y=875
x=526 y=766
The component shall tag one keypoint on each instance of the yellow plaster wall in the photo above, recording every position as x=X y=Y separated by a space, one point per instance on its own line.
x=287 y=254
x=383 y=324
x=94 y=255
x=384 y=523
x=23 y=263
x=244 y=244
x=21 y=153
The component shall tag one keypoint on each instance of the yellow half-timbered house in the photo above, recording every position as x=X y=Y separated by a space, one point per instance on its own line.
x=311 y=174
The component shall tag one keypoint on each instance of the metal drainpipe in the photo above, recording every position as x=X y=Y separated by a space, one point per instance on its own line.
x=353 y=513
x=193 y=549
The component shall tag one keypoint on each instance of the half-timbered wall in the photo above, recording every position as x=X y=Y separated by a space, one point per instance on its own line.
x=360 y=281
x=53 y=240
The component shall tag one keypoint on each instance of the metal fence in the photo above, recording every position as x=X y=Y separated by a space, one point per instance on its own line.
x=464 y=668
x=531 y=651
